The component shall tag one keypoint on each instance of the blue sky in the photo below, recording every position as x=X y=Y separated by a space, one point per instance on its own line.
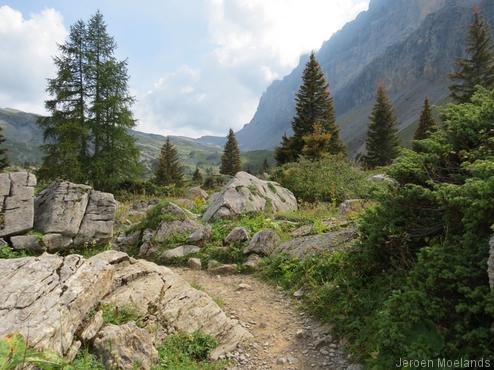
x=197 y=66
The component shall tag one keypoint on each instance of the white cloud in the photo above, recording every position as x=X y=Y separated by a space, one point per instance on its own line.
x=255 y=42
x=26 y=49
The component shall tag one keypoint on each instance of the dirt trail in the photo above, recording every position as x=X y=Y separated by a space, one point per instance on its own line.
x=284 y=338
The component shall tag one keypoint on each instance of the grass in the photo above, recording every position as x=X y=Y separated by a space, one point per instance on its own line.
x=120 y=315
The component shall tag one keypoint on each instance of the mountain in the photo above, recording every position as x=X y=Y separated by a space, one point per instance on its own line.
x=24 y=140
x=409 y=45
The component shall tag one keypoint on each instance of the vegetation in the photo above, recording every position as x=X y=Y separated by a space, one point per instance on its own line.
x=382 y=140
x=314 y=110
x=86 y=137
x=119 y=315
x=197 y=176
x=230 y=160
x=427 y=124
x=169 y=171
x=477 y=69
x=4 y=161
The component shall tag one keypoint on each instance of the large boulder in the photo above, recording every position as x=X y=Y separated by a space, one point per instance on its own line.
x=246 y=193
x=236 y=236
x=16 y=203
x=48 y=299
x=263 y=243
x=316 y=244
x=196 y=193
x=74 y=214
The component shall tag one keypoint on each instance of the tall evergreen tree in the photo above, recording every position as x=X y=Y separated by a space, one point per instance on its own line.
x=4 y=160
x=169 y=170
x=478 y=67
x=382 y=138
x=284 y=153
x=230 y=160
x=314 y=104
x=427 y=124
x=197 y=176
x=265 y=166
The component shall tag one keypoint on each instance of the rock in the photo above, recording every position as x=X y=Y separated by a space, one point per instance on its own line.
x=299 y=293
x=168 y=229
x=196 y=193
x=490 y=263
x=315 y=244
x=194 y=263
x=200 y=235
x=145 y=205
x=281 y=361
x=93 y=327
x=124 y=346
x=246 y=193
x=263 y=243
x=148 y=250
x=302 y=231
x=252 y=262
x=243 y=286
x=236 y=236
x=26 y=242
x=223 y=269
x=48 y=299
x=16 y=203
x=125 y=241
x=212 y=264
x=350 y=206
x=382 y=178
x=56 y=242
x=178 y=252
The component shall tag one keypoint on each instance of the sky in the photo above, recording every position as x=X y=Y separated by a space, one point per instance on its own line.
x=197 y=67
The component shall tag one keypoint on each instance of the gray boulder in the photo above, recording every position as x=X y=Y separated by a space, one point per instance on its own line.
x=178 y=252
x=168 y=229
x=263 y=243
x=316 y=244
x=246 y=193
x=196 y=193
x=382 y=178
x=194 y=264
x=26 y=242
x=16 y=203
x=236 y=236
x=200 y=235
x=252 y=262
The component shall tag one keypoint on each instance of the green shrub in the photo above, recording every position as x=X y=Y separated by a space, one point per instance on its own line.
x=327 y=180
x=120 y=315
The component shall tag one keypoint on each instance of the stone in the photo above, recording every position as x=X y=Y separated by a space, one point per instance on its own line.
x=196 y=193
x=93 y=327
x=351 y=206
x=245 y=193
x=194 y=263
x=243 y=286
x=236 y=236
x=252 y=262
x=125 y=346
x=382 y=178
x=178 y=252
x=26 y=242
x=212 y=264
x=16 y=203
x=49 y=298
x=299 y=293
x=56 y=242
x=302 y=231
x=223 y=269
x=201 y=235
x=168 y=229
x=490 y=263
x=316 y=244
x=263 y=243
x=148 y=250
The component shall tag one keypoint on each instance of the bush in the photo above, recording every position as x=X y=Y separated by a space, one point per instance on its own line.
x=330 y=179
x=130 y=189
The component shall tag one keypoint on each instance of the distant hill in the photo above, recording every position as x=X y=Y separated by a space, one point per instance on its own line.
x=409 y=45
x=24 y=139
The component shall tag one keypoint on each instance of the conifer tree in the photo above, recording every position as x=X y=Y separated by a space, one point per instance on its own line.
x=197 y=176
x=4 y=161
x=265 y=166
x=284 y=153
x=427 y=125
x=478 y=67
x=382 y=139
x=314 y=104
x=316 y=143
x=169 y=170
x=230 y=160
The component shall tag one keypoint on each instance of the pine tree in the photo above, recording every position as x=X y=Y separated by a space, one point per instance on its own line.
x=478 y=67
x=314 y=104
x=316 y=143
x=169 y=170
x=427 y=125
x=265 y=166
x=382 y=139
x=284 y=153
x=230 y=160
x=197 y=176
x=4 y=161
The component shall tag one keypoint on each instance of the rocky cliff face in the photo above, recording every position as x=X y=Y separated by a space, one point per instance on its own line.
x=408 y=44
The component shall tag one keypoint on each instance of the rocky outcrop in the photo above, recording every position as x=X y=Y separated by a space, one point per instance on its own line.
x=48 y=299
x=246 y=193
x=16 y=203
x=315 y=244
x=74 y=214
x=263 y=243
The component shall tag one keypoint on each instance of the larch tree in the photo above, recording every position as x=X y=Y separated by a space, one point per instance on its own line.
x=169 y=170
x=230 y=160
x=316 y=143
x=478 y=67
x=427 y=124
x=4 y=160
x=382 y=144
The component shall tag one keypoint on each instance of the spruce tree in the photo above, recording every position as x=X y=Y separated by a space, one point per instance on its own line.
x=265 y=166
x=478 y=67
x=230 y=160
x=4 y=161
x=314 y=104
x=427 y=125
x=197 y=176
x=169 y=170
x=284 y=153
x=382 y=139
